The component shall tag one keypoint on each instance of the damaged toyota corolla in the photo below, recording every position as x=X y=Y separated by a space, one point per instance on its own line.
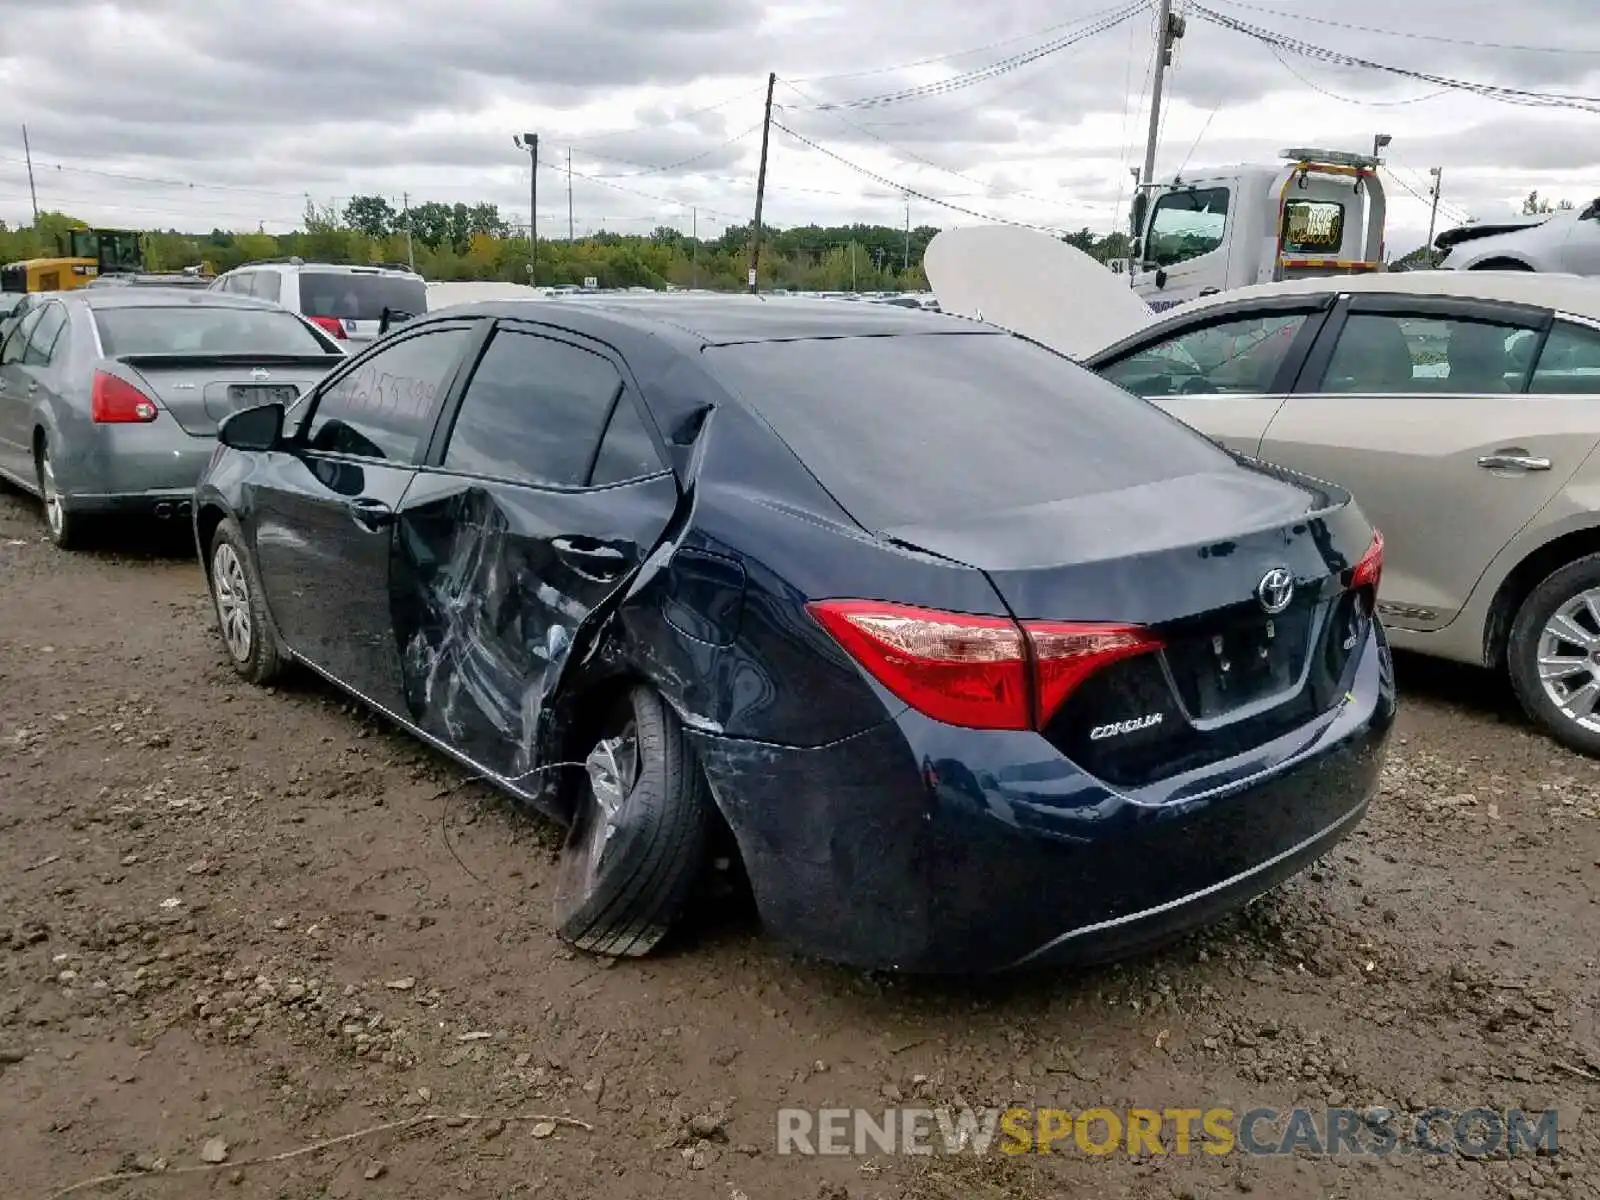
x=980 y=660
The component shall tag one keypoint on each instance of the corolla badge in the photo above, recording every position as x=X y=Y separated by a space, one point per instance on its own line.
x=260 y=373
x=1275 y=590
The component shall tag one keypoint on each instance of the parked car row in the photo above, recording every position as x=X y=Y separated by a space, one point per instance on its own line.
x=975 y=658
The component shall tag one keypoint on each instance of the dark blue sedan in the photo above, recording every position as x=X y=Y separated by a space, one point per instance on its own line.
x=980 y=660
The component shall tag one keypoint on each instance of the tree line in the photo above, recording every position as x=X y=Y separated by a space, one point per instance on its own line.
x=475 y=241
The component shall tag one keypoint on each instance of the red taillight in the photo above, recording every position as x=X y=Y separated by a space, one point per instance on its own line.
x=114 y=400
x=974 y=671
x=1369 y=571
x=331 y=325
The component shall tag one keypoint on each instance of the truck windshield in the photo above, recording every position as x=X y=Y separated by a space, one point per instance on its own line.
x=1186 y=225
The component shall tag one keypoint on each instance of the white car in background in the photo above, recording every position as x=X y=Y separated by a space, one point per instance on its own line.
x=352 y=304
x=1567 y=240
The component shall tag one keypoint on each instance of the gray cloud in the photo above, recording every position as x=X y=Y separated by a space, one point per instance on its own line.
x=190 y=114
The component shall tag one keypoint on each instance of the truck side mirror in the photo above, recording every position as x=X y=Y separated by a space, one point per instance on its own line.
x=1161 y=277
x=1136 y=213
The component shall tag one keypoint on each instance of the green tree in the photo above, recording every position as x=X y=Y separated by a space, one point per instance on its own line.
x=371 y=215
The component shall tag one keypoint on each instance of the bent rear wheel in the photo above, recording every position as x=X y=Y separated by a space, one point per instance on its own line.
x=1553 y=654
x=247 y=631
x=638 y=837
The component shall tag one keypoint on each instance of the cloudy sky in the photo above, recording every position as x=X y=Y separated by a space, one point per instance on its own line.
x=202 y=113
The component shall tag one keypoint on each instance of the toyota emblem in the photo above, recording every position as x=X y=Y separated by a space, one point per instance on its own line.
x=1275 y=590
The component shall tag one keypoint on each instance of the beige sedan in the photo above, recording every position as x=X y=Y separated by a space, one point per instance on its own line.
x=1462 y=410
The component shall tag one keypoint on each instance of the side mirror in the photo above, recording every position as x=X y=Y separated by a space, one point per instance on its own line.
x=1161 y=277
x=258 y=428
x=1591 y=210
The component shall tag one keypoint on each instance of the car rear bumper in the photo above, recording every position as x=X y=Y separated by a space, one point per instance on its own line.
x=919 y=847
x=131 y=468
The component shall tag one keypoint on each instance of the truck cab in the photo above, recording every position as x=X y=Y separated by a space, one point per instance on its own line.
x=1320 y=212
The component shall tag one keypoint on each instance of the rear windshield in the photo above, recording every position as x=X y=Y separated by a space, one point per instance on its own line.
x=912 y=429
x=196 y=330
x=360 y=297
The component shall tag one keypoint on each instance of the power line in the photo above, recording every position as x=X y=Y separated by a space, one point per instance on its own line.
x=617 y=187
x=1420 y=37
x=900 y=187
x=995 y=69
x=939 y=58
x=673 y=166
x=1332 y=95
x=1508 y=95
x=903 y=152
x=694 y=112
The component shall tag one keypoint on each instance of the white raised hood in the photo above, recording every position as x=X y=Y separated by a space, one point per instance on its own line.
x=1033 y=284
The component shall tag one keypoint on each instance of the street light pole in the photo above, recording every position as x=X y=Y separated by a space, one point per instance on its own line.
x=530 y=143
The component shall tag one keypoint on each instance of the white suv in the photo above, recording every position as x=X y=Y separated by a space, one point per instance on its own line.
x=353 y=304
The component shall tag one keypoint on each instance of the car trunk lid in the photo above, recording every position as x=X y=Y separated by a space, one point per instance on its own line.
x=200 y=390
x=1244 y=576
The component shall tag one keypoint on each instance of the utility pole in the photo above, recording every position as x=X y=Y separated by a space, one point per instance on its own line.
x=1433 y=216
x=905 y=261
x=27 y=153
x=411 y=250
x=1169 y=29
x=853 y=287
x=694 y=248
x=761 y=185
x=570 y=238
x=530 y=143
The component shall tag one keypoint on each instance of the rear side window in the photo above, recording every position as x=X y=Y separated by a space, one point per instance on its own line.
x=266 y=286
x=628 y=451
x=1380 y=353
x=17 y=339
x=913 y=429
x=197 y=329
x=1569 y=363
x=42 y=343
x=356 y=297
x=1237 y=357
x=533 y=411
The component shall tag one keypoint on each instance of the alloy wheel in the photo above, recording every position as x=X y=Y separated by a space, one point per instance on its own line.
x=232 y=592
x=1569 y=659
x=54 y=514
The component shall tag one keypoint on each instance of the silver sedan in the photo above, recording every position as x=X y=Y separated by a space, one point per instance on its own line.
x=110 y=398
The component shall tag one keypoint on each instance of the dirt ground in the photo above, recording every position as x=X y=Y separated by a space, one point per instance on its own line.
x=234 y=923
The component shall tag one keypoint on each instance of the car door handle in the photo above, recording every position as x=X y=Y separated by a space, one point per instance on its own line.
x=590 y=557
x=370 y=514
x=1513 y=462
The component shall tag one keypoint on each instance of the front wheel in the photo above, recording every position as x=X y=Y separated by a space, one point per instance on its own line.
x=1553 y=654
x=247 y=630
x=639 y=834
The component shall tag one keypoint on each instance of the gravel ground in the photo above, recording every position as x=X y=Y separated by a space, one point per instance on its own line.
x=235 y=923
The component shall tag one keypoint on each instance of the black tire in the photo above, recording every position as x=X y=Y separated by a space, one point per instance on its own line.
x=1562 y=587
x=66 y=529
x=626 y=901
x=248 y=636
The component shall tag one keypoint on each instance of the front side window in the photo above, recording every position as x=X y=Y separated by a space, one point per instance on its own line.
x=1396 y=353
x=385 y=407
x=1186 y=225
x=533 y=411
x=1237 y=357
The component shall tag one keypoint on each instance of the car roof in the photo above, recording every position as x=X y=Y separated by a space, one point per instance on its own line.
x=1575 y=294
x=725 y=319
x=164 y=297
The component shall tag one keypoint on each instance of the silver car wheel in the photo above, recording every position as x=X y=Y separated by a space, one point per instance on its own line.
x=1569 y=659
x=54 y=515
x=232 y=592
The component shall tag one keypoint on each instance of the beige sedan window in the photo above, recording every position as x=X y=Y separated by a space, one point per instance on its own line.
x=1384 y=353
x=1238 y=357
